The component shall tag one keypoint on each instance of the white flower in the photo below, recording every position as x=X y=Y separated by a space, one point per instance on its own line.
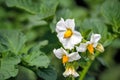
x=62 y=54
x=94 y=39
x=67 y=34
x=70 y=71
x=90 y=45
x=82 y=47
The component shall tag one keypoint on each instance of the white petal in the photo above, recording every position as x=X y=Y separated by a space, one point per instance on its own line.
x=59 y=52
x=65 y=52
x=75 y=74
x=70 y=71
x=74 y=56
x=76 y=38
x=72 y=41
x=95 y=44
x=61 y=26
x=88 y=42
x=67 y=43
x=95 y=38
x=70 y=23
x=82 y=47
x=60 y=36
x=66 y=74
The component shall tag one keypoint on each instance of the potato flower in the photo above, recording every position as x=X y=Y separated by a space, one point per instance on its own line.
x=67 y=34
x=70 y=71
x=89 y=45
x=66 y=57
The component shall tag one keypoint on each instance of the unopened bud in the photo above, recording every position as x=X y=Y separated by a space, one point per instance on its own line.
x=100 y=47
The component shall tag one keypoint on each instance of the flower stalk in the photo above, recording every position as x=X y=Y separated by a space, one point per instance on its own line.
x=85 y=70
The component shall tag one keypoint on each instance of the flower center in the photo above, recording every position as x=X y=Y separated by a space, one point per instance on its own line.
x=68 y=33
x=90 y=48
x=65 y=59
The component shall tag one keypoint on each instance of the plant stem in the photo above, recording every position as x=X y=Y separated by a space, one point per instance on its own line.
x=73 y=78
x=85 y=70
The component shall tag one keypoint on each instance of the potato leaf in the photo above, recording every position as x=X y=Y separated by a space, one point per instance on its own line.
x=12 y=40
x=37 y=58
x=7 y=67
x=41 y=8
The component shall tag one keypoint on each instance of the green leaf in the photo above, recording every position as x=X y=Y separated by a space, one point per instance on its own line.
x=47 y=74
x=7 y=67
x=92 y=3
x=94 y=26
x=25 y=74
x=66 y=3
x=41 y=8
x=37 y=58
x=111 y=12
x=64 y=13
x=116 y=43
x=53 y=25
x=3 y=48
x=27 y=5
x=12 y=40
x=33 y=22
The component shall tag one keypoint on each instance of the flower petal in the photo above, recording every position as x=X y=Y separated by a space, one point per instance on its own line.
x=70 y=71
x=70 y=23
x=61 y=26
x=75 y=74
x=95 y=38
x=67 y=44
x=59 y=52
x=74 y=56
x=82 y=47
x=66 y=74
x=76 y=38
x=95 y=45
x=60 y=36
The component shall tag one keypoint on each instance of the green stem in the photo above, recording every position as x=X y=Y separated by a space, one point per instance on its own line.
x=70 y=78
x=85 y=70
x=73 y=78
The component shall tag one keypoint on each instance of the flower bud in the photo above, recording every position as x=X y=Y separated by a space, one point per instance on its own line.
x=100 y=47
x=70 y=71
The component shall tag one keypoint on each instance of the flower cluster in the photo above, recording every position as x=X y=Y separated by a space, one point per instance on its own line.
x=73 y=44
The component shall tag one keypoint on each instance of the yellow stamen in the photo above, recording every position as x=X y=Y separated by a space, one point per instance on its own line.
x=90 y=48
x=68 y=33
x=65 y=59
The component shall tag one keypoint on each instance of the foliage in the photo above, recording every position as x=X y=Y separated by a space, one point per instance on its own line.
x=111 y=12
x=7 y=68
x=28 y=37
x=11 y=40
